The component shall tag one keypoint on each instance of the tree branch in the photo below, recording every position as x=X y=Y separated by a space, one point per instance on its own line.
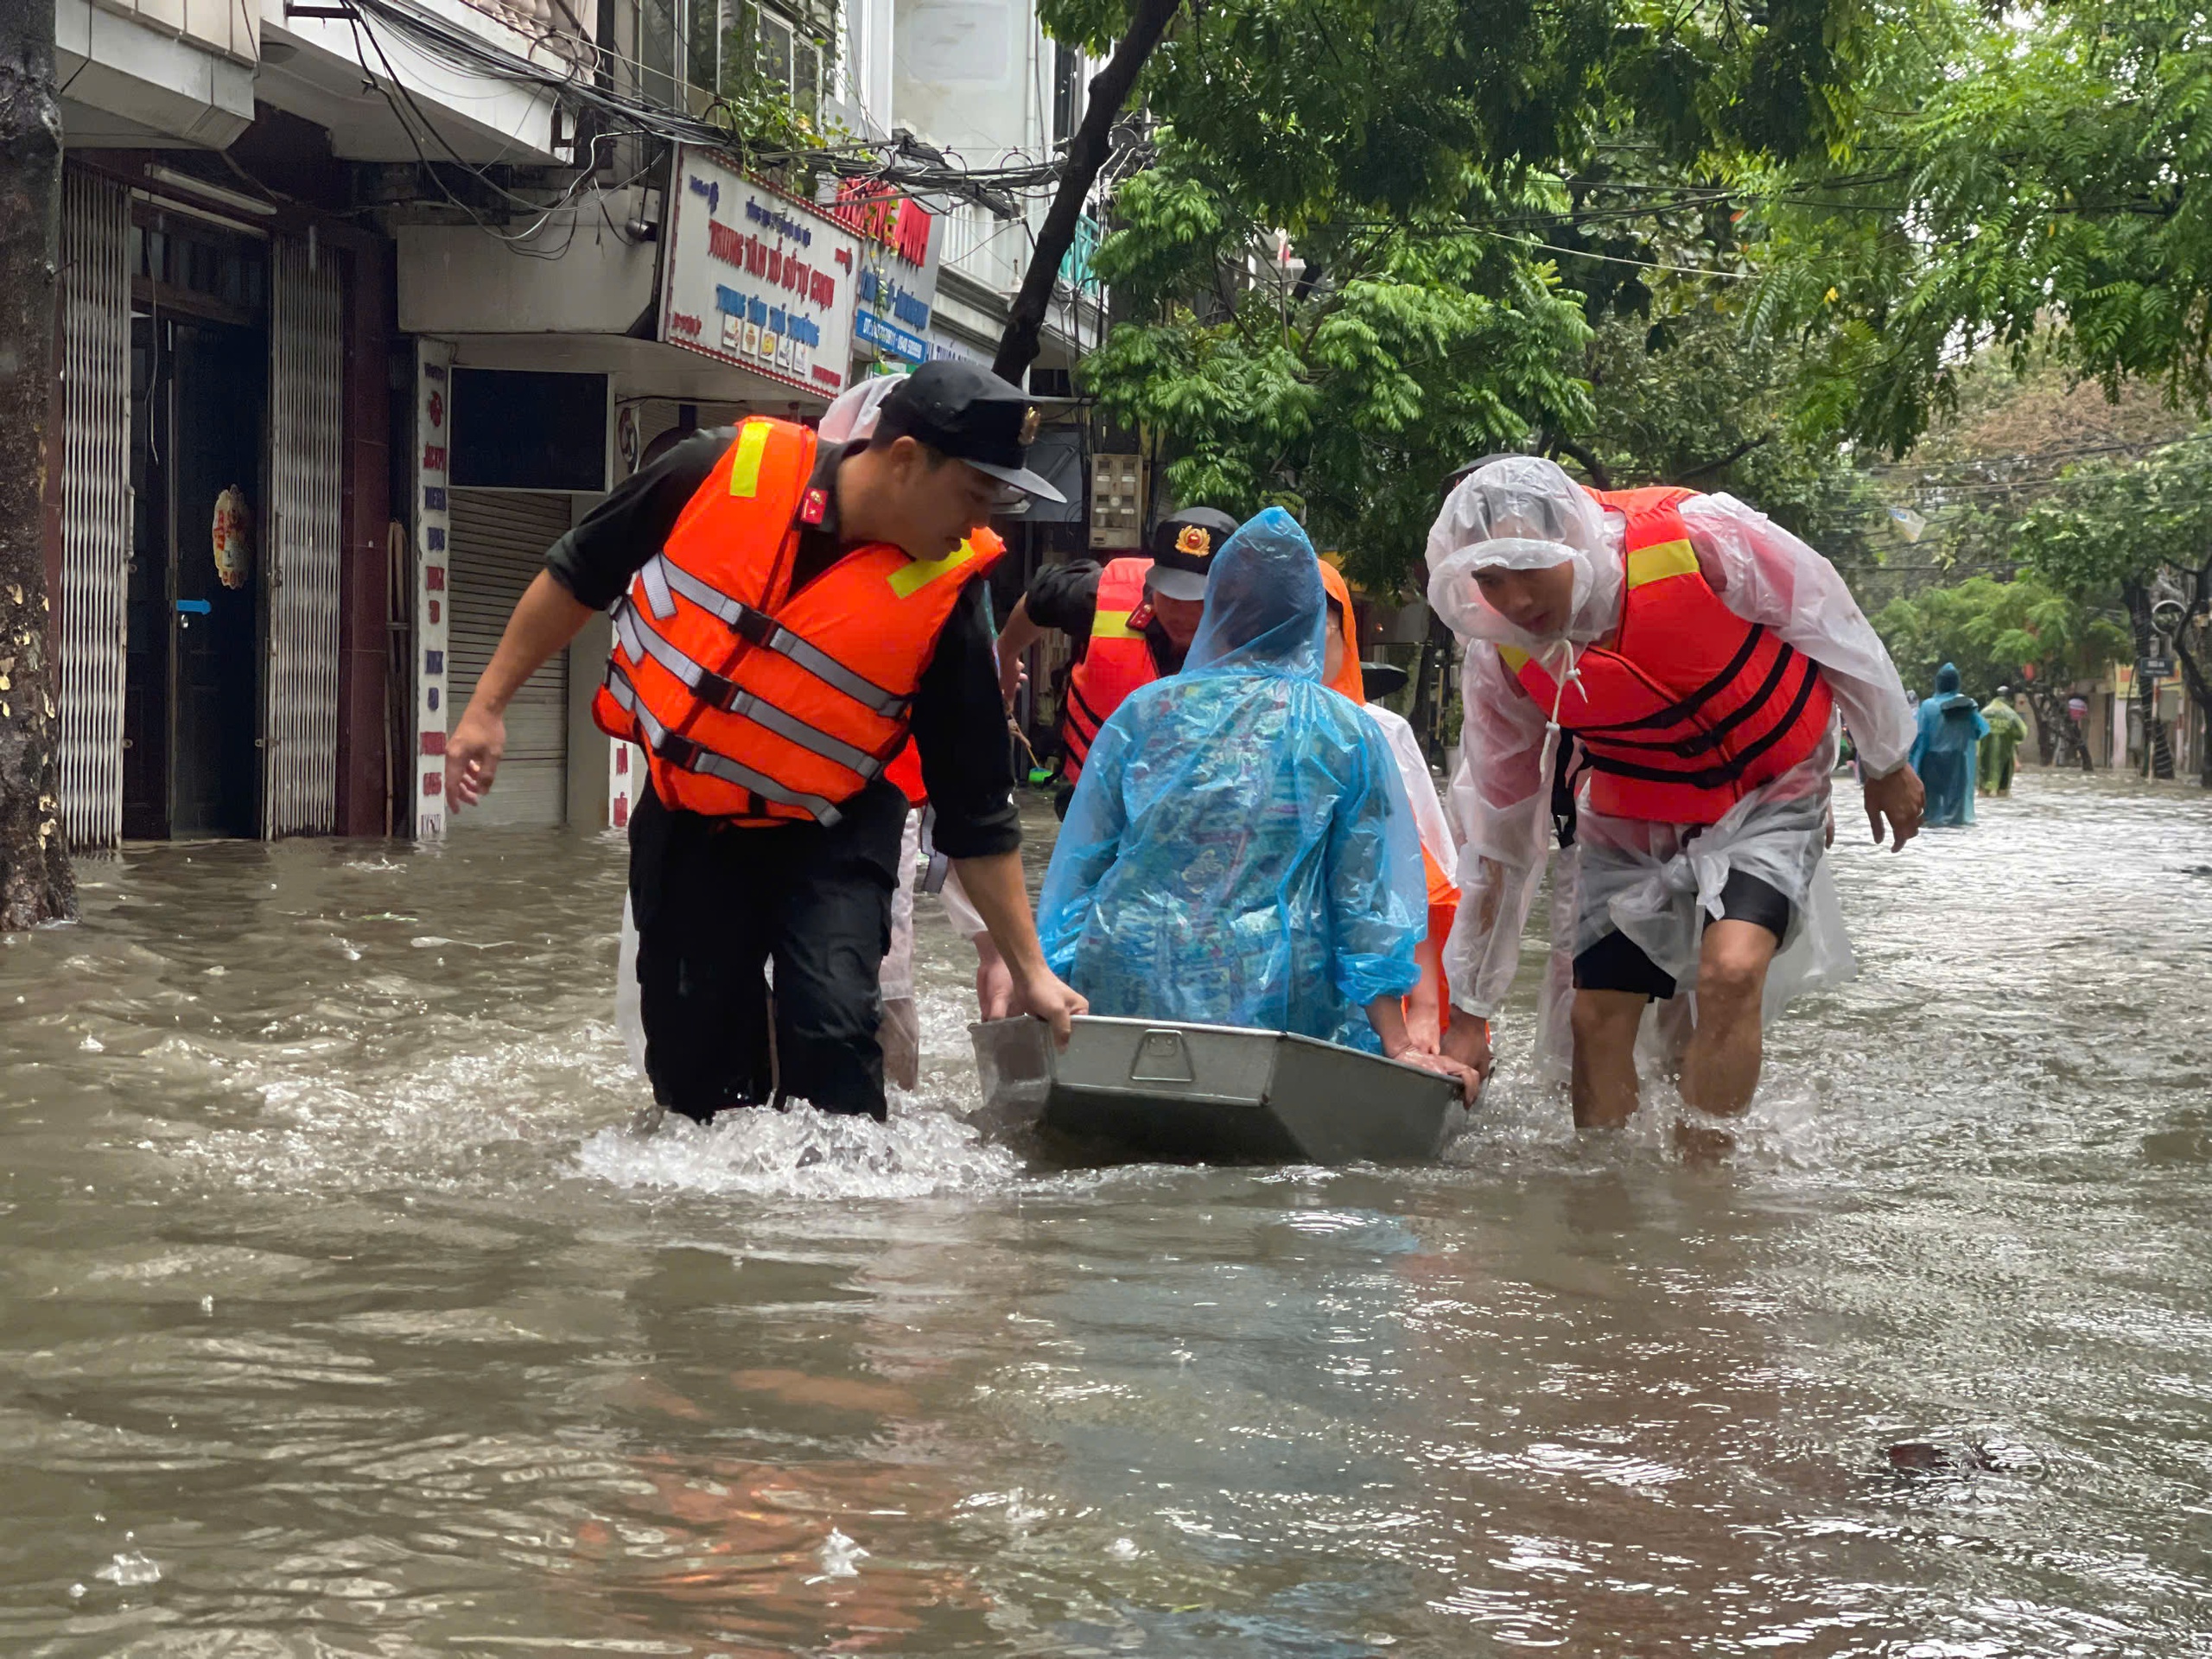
x=1588 y=458
x=1726 y=460
x=1109 y=90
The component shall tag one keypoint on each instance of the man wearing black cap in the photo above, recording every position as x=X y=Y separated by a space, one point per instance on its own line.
x=1135 y=617
x=787 y=614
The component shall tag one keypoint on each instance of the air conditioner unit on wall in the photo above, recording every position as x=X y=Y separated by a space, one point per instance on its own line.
x=1118 y=497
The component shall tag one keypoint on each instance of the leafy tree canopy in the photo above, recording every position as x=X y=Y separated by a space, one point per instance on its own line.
x=2012 y=179
x=1993 y=630
x=1343 y=275
x=2110 y=525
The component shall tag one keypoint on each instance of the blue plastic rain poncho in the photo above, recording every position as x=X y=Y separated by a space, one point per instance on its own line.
x=1240 y=845
x=1943 y=754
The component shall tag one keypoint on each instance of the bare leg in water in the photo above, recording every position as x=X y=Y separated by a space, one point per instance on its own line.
x=1604 y=1083
x=1721 y=1066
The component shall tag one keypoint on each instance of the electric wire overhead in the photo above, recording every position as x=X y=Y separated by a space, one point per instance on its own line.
x=901 y=162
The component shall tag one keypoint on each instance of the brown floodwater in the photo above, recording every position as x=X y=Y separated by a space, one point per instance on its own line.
x=341 y=1316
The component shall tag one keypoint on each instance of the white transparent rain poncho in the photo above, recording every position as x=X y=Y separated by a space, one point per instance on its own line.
x=1240 y=849
x=1655 y=883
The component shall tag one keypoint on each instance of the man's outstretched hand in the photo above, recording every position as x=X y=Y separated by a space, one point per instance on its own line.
x=994 y=982
x=1466 y=1039
x=1899 y=797
x=1043 y=996
x=472 y=755
x=1466 y=1077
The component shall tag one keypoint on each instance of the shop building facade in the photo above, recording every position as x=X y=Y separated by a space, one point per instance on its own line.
x=359 y=313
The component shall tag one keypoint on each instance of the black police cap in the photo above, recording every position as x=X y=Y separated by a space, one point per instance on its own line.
x=1182 y=546
x=971 y=415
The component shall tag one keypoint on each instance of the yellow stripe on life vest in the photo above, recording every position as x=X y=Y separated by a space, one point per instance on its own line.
x=909 y=580
x=1661 y=559
x=1515 y=660
x=745 y=465
x=1112 y=625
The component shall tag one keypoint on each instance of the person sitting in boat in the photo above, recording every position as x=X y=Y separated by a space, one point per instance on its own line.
x=1240 y=849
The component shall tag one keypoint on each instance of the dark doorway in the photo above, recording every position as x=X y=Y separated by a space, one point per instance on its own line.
x=200 y=375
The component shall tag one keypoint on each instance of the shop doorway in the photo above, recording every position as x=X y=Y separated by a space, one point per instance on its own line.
x=199 y=396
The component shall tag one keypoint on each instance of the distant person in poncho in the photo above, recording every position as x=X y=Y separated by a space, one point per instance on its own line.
x=1943 y=753
x=2007 y=731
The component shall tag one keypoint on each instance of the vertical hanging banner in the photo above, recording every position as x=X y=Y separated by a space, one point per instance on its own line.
x=896 y=293
x=757 y=279
x=433 y=465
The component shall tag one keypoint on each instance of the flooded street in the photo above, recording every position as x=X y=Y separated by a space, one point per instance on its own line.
x=342 y=1318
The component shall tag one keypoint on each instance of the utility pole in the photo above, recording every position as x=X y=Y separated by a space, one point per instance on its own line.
x=35 y=883
x=1109 y=90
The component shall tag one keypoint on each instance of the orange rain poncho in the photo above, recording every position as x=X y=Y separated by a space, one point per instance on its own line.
x=1439 y=856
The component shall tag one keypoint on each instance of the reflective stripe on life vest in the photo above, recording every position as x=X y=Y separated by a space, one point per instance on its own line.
x=712 y=688
x=1690 y=707
x=663 y=580
x=1116 y=660
x=681 y=752
x=759 y=700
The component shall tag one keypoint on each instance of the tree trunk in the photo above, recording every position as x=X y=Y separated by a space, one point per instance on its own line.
x=1109 y=90
x=35 y=884
x=2200 y=692
x=2051 y=711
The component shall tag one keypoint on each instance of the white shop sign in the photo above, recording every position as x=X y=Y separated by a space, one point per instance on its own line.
x=433 y=455
x=757 y=279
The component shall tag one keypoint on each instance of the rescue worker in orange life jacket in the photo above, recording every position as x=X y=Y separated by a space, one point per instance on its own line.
x=787 y=613
x=1136 y=617
x=1655 y=674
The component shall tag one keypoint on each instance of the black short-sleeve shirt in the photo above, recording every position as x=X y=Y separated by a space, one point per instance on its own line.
x=959 y=716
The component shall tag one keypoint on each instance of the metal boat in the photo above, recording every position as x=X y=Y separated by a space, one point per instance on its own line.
x=1214 y=1093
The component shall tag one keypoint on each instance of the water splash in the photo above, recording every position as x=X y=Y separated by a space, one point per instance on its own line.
x=806 y=1153
x=840 y=1556
x=130 y=1568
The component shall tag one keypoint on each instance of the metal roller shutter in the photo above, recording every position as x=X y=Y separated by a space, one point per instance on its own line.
x=498 y=543
x=307 y=457
x=95 y=502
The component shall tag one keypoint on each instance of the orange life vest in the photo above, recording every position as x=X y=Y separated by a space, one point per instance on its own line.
x=904 y=772
x=755 y=702
x=1116 y=660
x=1690 y=708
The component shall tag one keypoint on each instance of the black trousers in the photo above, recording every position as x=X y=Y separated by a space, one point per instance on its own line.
x=713 y=905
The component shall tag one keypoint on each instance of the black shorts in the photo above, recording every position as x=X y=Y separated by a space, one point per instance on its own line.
x=1617 y=963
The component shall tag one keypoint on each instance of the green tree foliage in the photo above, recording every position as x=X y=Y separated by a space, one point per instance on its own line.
x=2142 y=529
x=2022 y=633
x=2013 y=178
x=1418 y=160
x=1347 y=402
x=2108 y=526
x=2097 y=549
x=1693 y=400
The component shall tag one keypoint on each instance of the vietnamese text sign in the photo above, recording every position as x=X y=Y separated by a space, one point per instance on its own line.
x=433 y=453
x=757 y=279
x=900 y=242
